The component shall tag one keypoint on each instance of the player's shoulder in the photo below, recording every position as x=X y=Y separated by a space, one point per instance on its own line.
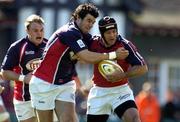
x=127 y=43
x=45 y=40
x=74 y=30
x=122 y=39
x=69 y=30
x=18 y=43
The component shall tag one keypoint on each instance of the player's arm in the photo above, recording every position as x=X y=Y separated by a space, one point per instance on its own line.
x=10 y=61
x=93 y=57
x=136 y=70
x=138 y=65
x=81 y=50
x=132 y=72
x=1 y=87
x=11 y=75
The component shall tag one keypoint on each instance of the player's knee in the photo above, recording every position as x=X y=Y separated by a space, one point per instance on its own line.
x=70 y=118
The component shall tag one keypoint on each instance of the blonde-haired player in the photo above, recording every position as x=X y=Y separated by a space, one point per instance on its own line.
x=22 y=57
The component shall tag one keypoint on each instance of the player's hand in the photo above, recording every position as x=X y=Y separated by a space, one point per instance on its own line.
x=84 y=91
x=28 y=78
x=115 y=77
x=1 y=89
x=122 y=53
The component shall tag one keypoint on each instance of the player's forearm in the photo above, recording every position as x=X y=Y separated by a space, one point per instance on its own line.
x=136 y=71
x=10 y=75
x=92 y=57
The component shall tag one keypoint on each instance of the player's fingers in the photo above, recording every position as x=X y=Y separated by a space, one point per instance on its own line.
x=1 y=89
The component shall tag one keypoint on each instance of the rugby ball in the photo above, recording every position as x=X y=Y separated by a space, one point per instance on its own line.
x=107 y=67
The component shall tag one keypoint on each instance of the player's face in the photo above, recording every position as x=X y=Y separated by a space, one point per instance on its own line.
x=110 y=36
x=36 y=33
x=86 y=23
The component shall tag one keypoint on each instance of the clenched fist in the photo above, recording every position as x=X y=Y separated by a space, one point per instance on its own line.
x=122 y=53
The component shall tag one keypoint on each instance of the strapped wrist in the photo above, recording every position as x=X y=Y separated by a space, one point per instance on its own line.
x=112 y=55
x=21 y=78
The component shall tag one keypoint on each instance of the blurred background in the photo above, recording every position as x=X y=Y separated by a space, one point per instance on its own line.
x=152 y=25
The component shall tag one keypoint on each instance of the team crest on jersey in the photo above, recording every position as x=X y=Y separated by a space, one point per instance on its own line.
x=29 y=52
x=80 y=43
x=33 y=64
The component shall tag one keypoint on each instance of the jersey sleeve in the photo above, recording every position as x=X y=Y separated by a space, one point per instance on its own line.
x=11 y=58
x=74 y=40
x=134 y=57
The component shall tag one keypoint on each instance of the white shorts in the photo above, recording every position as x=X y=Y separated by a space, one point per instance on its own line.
x=23 y=110
x=103 y=100
x=44 y=94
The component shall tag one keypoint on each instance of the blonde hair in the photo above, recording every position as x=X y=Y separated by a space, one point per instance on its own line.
x=33 y=18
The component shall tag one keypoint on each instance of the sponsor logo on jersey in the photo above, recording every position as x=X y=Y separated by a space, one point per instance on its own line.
x=33 y=64
x=80 y=43
x=29 y=52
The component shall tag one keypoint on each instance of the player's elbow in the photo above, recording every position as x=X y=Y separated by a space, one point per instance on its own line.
x=144 y=69
x=4 y=74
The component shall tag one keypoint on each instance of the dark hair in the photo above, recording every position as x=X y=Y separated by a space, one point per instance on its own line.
x=107 y=23
x=84 y=9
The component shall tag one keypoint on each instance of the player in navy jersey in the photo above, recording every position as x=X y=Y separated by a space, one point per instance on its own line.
x=52 y=85
x=22 y=57
x=112 y=94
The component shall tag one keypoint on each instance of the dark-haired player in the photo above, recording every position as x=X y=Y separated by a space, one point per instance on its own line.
x=52 y=85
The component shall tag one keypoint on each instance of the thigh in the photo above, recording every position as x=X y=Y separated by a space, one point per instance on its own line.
x=4 y=115
x=44 y=115
x=24 y=110
x=42 y=94
x=98 y=102
x=121 y=96
x=126 y=109
x=65 y=111
x=131 y=115
x=67 y=92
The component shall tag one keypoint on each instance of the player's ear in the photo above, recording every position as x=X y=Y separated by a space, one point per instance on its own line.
x=27 y=31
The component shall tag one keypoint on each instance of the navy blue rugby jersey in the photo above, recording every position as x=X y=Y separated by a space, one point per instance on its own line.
x=23 y=57
x=58 y=65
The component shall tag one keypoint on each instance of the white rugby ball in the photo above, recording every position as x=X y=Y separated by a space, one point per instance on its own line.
x=107 y=67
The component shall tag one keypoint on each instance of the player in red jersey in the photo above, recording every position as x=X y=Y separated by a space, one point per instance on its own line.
x=113 y=94
x=52 y=85
x=22 y=57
